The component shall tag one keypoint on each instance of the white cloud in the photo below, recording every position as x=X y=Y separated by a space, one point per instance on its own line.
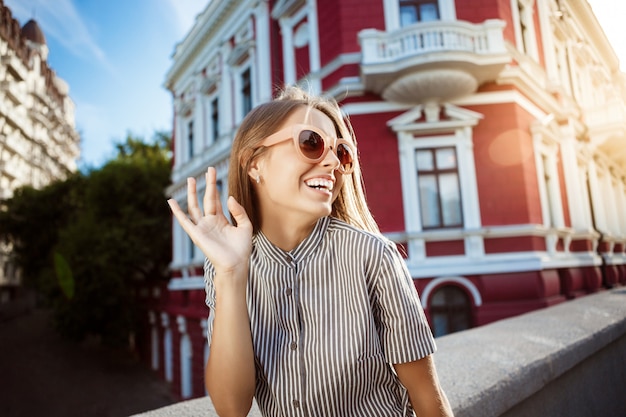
x=60 y=19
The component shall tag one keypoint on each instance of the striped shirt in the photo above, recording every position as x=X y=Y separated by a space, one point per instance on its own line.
x=327 y=320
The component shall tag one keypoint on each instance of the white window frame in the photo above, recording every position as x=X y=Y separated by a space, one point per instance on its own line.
x=526 y=42
x=546 y=162
x=288 y=23
x=208 y=100
x=458 y=134
x=190 y=153
x=237 y=74
x=447 y=12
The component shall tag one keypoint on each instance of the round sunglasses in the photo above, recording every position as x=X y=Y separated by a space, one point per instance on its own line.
x=312 y=145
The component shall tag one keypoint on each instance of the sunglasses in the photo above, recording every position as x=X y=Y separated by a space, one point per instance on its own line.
x=313 y=145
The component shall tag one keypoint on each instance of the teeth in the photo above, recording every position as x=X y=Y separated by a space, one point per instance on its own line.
x=320 y=183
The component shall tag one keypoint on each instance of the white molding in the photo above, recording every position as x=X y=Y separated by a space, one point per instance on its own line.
x=501 y=97
x=499 y=264
x=191 y=283
x=372 y=107
x=487 y=98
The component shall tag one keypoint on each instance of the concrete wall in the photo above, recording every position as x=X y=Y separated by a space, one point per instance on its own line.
x=567 y=360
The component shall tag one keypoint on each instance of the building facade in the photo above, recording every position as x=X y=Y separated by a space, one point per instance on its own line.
x=38 y=139
x=492 y=136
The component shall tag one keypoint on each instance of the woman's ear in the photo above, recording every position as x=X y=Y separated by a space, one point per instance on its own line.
x=254 y=170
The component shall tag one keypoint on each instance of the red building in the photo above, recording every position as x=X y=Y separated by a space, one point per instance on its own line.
x=492 y=136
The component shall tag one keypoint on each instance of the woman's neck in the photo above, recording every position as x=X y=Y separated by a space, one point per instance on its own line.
x=286 y=235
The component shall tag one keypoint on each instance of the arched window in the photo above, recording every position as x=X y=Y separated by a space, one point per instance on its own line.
x=450 y=310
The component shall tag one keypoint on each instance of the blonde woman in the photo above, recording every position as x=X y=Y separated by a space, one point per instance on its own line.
x=312 y=310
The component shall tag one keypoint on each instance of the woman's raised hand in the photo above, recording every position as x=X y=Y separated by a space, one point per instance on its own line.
x=228 y=247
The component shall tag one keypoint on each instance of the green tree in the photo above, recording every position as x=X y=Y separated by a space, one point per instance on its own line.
x=110 y=234
x=32 y=219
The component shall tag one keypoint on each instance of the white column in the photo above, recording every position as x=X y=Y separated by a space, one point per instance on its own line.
x=264 y=75
x=575 y=203
x=314 y=46
x=289 y=69
x=167 y=347
x=226 y=94
x=621 y=207
x=585 y=197
x=596 y=199
x=474 y=245
x=610 y=203
x=554 y=193
x=186 y=353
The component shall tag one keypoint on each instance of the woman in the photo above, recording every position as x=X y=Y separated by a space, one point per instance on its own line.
x=312 y=310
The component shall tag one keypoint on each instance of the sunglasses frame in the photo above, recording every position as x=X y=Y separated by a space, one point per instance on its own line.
x=293 y=133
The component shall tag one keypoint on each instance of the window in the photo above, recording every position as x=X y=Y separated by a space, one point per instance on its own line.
x=438 y=188
x=523 y=15
x=549 y=187
x=190 y=139
x=215 y=127
x=545 y=190
x=192 y=249
x=450 y=310
x=524 y=28
x=412 y=11
x=246 y=91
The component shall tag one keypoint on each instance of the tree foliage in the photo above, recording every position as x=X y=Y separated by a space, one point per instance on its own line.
x=86 y=243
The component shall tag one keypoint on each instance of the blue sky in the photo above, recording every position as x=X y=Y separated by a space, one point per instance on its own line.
x=115 y=54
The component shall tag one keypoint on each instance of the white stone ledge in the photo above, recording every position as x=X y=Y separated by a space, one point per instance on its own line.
x=489 y=370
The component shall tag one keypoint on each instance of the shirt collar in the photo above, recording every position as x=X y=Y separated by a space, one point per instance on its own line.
x=300 y=252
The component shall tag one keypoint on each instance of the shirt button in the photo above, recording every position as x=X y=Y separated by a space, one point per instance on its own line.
x=288 y=292
x=293 y=346
x=295 y=403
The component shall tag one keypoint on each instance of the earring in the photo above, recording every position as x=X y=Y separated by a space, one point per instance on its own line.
x=258 y=179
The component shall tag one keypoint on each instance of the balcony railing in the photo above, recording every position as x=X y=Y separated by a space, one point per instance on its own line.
x=429 y=61
x=611 y=114
x=607 y=128
x=440 y=36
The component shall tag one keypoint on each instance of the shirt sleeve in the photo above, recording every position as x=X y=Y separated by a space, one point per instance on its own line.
x=209 y=288
x=402 y=326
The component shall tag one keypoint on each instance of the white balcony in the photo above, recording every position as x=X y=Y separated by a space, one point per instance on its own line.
x=15 y=66
x=432 y=61
x=607 y=128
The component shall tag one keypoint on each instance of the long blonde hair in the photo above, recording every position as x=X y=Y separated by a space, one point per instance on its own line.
x=265 y=119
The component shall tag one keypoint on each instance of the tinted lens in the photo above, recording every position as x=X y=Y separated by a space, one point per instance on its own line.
x=311 y=144
x=346 y=159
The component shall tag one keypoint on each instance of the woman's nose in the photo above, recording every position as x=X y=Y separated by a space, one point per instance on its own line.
x=331 y=159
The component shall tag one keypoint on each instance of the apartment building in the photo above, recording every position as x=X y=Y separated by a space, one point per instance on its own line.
x=39 y=143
